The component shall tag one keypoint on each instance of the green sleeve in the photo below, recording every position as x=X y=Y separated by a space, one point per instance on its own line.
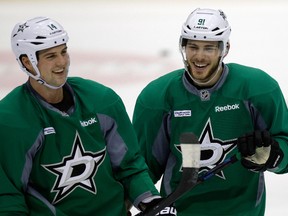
x=273 y=109
x=12 y=201
x=149 y=124
x=264 y=93
x=132 y=171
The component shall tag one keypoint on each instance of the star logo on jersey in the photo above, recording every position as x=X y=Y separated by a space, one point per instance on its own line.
x=213 y=150
x=76 y=170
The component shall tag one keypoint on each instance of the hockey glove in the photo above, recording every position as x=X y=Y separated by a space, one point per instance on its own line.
x=259 y=151
x=146 y=206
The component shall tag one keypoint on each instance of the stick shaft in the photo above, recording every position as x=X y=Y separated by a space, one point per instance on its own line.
x=186 y=186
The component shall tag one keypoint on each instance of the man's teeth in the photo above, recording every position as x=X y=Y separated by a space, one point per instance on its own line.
x=58 y=71
x=200 y=65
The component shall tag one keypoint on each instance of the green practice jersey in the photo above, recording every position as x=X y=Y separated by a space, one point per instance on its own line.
x=243 y=100
x=83 y=162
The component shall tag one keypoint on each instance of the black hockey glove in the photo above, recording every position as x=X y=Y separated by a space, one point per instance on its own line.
x=168 y=211
x=259 y=151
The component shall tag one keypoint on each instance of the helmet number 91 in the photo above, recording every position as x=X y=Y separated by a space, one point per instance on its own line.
x=201 y=21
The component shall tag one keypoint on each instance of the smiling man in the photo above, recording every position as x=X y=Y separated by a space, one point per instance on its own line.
x=230 y=107
x=67 y=144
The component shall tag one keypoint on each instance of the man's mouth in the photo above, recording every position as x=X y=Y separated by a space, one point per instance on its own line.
x=58 y=71
x=200 y=65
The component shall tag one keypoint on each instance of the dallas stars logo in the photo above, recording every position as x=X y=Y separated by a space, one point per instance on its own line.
x=76 y=170
x=213 y=150
x=223 y=15
x=22 y=27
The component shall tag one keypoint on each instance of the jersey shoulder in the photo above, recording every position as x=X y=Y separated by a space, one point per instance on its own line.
x=158 y=90
x=250 y=81
x=90 y=87
x=16 y=104
x=18 y=111
x=250 y=74
x=94 y=93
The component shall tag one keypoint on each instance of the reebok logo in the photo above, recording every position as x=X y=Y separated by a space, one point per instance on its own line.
x=89 y=122
x=228 y=107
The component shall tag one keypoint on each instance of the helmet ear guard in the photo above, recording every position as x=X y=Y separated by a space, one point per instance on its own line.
x=31 y=36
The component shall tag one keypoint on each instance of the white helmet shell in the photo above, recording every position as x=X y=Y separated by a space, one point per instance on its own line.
x=206 y=25
x=34 y=35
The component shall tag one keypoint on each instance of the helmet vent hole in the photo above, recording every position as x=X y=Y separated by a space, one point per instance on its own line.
x=188 y=27
x=219 y=33
x=36 y=43
x=215 y=29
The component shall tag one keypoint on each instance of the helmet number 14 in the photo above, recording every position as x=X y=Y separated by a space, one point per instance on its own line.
x=52 y=27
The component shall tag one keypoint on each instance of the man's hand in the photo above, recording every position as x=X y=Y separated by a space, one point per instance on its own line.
x=145 y=206
x=259 y=151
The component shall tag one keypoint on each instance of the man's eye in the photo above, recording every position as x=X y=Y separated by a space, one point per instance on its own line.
x=50 y=57
x=192 y=47
x=210 y=48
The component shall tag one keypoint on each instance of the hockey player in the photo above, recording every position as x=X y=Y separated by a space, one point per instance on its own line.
x=230 y=107
x=67 y=145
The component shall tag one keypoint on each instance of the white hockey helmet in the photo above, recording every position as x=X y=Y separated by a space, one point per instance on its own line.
x=206 y=25
x=34 y=35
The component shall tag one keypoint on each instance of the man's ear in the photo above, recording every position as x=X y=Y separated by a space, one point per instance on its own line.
x=227 y=49
x=26 y=62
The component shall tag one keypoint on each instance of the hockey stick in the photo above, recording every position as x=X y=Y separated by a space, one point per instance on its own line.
x=190 y=159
